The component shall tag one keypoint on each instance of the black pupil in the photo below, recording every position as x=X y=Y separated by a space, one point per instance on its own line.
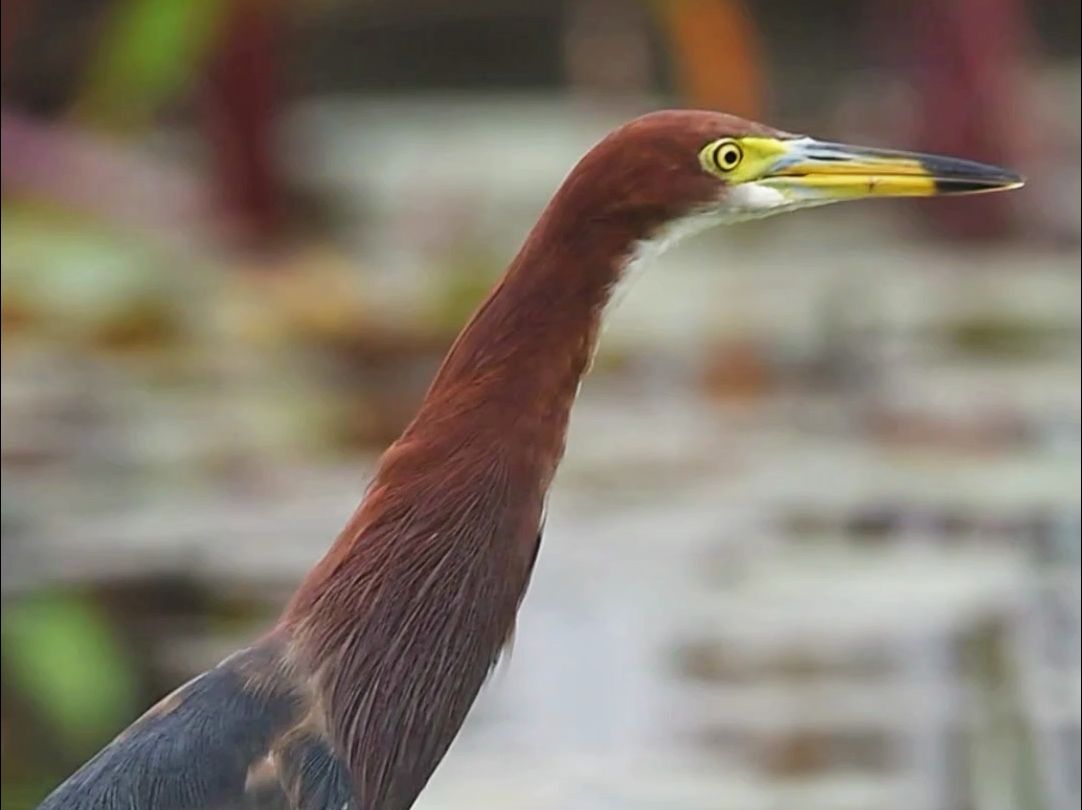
x=728 y=156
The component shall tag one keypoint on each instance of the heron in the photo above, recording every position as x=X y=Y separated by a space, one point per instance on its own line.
x=353 y=697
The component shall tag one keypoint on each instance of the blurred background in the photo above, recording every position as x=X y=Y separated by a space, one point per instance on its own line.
x=815 y=542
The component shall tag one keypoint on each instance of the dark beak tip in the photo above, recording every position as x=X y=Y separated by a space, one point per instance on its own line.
x=959 y=176
x=962 y=184
x=1010 y=179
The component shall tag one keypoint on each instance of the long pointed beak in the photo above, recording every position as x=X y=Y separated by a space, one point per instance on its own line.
x=810 y=170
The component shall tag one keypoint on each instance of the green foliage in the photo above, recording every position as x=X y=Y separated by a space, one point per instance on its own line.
x=149 y=51
x=60 y=653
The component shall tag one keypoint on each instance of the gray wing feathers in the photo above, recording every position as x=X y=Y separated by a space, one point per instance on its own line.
x=230 y=738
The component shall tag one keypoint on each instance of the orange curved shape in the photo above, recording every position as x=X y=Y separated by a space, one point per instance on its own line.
x=717 y=56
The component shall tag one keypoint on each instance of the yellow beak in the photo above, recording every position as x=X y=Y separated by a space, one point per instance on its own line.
x=810 y=171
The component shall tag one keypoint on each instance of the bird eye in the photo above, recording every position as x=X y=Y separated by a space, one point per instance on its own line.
x=727 y=155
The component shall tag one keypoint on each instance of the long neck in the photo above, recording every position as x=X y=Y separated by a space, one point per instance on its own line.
x=519 y=361
x=402 y=620
x=496 y=415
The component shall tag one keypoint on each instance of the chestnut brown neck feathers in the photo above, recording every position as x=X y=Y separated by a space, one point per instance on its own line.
x=403 y=619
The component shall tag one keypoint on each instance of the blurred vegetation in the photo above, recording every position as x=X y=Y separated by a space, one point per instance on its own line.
x=67 y=678
x=148 y=52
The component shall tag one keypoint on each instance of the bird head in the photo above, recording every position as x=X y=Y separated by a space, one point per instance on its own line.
x=679 y=165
